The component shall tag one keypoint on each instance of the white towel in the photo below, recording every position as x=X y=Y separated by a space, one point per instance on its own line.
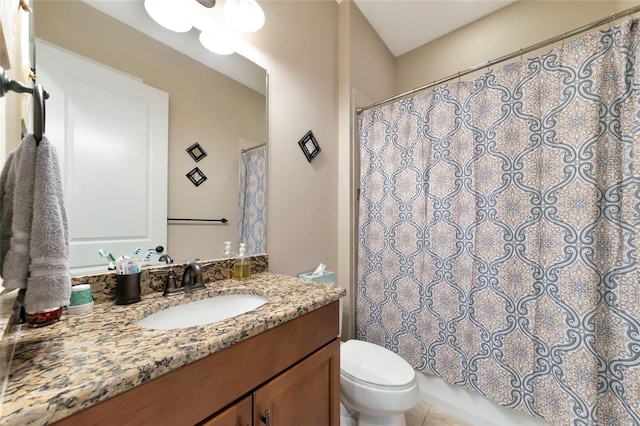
x=37 y=259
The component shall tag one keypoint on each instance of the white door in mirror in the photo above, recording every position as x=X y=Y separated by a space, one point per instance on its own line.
x=202 y=312
x=111 y=134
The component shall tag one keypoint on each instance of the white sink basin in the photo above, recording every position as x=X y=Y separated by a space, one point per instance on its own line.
x=202 y=312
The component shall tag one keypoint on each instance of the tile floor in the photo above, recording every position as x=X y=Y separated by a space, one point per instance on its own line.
x=424 y=414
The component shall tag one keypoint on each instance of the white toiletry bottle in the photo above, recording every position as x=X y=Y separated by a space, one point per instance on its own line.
x=226 y=254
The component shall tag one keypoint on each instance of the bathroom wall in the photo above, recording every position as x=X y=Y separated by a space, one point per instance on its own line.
x=366 y=72
x=13 y=20
x=204 y=106
x=298 y=48
x=521 y=24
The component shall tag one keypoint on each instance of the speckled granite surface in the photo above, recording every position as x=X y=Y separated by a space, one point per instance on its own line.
x=81 y=360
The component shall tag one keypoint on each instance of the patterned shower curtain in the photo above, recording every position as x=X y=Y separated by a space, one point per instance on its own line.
x=499 y=231
x=252 y=200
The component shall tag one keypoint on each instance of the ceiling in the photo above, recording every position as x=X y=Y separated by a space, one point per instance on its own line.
x=404 y=25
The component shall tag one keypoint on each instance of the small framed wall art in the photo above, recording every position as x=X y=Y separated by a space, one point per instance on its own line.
x=196 y=152
x=196 y=176
x=309 y=146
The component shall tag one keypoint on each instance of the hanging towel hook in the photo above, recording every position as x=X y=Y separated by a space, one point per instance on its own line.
x=39 y=113
x=39 y=96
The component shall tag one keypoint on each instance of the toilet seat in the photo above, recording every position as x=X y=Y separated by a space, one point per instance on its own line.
x=375 y=366
x=374 y=386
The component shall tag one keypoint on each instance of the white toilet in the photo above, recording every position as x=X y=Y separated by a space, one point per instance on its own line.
x=377 y=385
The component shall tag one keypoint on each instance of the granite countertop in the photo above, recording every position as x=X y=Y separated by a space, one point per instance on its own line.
x=81 y=360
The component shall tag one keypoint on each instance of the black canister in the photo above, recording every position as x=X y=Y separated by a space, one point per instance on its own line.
x=127 y=288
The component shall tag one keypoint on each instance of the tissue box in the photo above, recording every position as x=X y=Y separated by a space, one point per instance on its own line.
x=327 y=277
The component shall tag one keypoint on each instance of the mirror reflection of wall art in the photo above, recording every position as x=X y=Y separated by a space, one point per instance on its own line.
x=196 y=176
x=309 y=146
x=196 y=152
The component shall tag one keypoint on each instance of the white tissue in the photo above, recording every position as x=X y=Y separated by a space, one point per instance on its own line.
x=319 y=270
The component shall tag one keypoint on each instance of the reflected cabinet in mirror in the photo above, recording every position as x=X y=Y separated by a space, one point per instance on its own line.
x=107 y=145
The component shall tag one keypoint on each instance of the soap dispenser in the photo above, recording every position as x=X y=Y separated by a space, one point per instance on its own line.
x=226 y=254
x=242 y=265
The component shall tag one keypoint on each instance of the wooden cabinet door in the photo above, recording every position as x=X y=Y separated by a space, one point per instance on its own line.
x=239 y=414
x=306 y=394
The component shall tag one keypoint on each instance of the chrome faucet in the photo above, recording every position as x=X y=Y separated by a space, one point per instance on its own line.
x=166 y=259
x=192 y=277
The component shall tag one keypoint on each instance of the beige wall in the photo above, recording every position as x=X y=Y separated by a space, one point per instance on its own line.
x=373 y=67
x=519 y=25
x=298 y=46
x=12 y=105
x=316 y=53
x=13 y=19
x=367 y=71
x=204 y=106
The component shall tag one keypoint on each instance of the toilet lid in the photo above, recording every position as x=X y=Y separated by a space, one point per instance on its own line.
x=374 y=364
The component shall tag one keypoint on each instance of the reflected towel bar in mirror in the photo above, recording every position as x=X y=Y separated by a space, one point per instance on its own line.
x=223 y=220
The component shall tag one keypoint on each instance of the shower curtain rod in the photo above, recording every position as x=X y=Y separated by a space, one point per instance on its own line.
x=253 y=147
x=587 y=27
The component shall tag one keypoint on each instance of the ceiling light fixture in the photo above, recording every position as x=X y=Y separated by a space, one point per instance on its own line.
x=217 y=42
x=164 y=13
x=244 y=15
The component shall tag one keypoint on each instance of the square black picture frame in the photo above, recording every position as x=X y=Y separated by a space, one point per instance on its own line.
x=309 y=146
x=196 y=176
x=196 y=152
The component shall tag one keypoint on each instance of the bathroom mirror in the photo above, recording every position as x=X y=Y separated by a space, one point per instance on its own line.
x=225 y=115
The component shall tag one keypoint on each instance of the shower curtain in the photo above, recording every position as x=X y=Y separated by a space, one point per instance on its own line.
x=499 y=230
x=252 y=200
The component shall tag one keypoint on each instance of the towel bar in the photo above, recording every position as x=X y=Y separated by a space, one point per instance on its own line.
x=39 y=96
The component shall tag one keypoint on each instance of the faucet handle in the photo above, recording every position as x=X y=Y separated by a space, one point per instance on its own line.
x=170 y=286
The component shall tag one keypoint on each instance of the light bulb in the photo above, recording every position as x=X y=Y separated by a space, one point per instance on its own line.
x=218 y=42
x=164 y=14
x=244 y=15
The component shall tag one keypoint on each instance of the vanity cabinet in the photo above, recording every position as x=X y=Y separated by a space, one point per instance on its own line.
x=302 y=395
x=292 y=370
x=239 y=414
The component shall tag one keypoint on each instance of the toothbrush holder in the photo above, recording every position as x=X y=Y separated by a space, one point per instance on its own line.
x=127 y=288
